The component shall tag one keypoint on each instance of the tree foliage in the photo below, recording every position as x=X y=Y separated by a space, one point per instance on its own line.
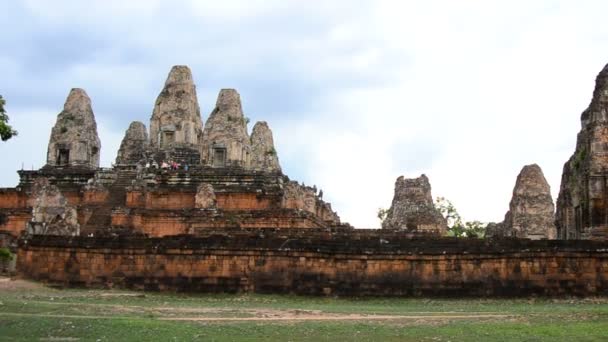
x=456 y=227
x=382 y=213
x=5 y=254
x=6 y=131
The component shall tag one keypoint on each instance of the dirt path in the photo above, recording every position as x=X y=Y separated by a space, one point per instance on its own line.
x=326 y=317
x=278 y=317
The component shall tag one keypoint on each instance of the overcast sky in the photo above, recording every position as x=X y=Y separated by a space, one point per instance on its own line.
x=356 y=92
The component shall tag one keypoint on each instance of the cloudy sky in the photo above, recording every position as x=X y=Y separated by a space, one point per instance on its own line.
x=356 y=92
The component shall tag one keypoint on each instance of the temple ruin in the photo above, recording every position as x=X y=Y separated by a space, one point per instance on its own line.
x=134 y=145
x=582 y=205
x=226 y=142
x=531 y=210
x=412 y=209
x=193 y=207
x=74 y=141
x=178 y=179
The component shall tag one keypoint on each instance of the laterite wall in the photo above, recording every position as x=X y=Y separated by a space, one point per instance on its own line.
x=323 y=264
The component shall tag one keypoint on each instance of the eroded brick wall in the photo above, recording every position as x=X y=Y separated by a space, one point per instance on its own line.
x=160 y=223
x=324 y=264
x=12 y=199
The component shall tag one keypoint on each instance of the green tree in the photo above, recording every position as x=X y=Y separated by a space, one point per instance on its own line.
x=6 y=131
x=456 y=227
x=5 y=254
x=382 y=213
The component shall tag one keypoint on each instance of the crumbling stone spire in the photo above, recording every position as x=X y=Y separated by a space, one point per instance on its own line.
x=226 y=142
x=413 y=210
x=176 y=119
x=531 y=210
x=74 y=140
x=582 y=209
x=133 y=146
x=598 y=108
x=263 y=154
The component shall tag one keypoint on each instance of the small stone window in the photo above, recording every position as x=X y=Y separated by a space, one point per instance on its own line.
x=63 y=157
x=219 y=157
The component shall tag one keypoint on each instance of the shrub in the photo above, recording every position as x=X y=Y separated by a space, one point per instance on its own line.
x=5 y=254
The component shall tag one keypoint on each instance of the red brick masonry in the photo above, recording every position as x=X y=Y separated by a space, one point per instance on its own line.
x=324 y=263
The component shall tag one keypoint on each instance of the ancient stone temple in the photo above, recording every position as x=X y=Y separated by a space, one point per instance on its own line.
x=413 y=210
x=176 y=180
x=74 y=141
x=226 y=142
x=531 y=210
x=582 y=205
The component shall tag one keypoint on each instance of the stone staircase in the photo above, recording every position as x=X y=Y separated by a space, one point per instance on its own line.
x=182 y=155
x=101 y=220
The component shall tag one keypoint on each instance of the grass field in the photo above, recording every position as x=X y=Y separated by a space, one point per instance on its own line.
x=32 y=312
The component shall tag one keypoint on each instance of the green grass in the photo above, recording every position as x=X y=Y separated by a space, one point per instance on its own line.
x=32 y=313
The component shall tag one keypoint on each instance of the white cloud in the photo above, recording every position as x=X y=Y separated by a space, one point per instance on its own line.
x=466 y=92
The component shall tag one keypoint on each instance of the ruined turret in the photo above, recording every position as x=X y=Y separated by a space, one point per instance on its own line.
x=176 y=119
x=74 y=140
x=263 y=154
x=531 y=208
x=225 y=141
x=582 y=205
x=51 y=213
x=413 y=209
x=133 y=146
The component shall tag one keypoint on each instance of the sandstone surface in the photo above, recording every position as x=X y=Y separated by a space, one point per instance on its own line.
x=205 y=197
x=176 y=118
x=413 y=210
x=74 y=140
x=582 y=205
x=133 y=146
x=531 y=210
x=226 y=142
x=51 y=213
x=263 y=153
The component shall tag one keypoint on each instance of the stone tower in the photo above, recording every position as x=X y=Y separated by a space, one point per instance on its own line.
x=225 y=141
x=582 y=205
x=176 y=119
x=413 y=209
x=133 y=146
x=531 y=210
x=263 y=154
x=74 y=141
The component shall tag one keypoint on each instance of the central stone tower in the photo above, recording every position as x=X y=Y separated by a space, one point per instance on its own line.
x=176 y=128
